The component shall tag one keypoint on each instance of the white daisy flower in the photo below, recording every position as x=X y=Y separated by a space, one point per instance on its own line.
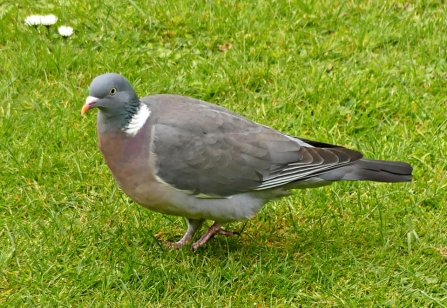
x=33 y=20
x=48 y=20
x=65 y=31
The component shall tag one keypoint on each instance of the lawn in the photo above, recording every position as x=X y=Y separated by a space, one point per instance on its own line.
x=370 y=75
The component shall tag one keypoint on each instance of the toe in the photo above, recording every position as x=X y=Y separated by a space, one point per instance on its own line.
x=227 y=233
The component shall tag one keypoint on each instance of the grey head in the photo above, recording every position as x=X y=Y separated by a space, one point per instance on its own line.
x=116 y=100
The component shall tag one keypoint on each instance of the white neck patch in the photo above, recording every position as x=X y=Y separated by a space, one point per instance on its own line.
x=137 y=121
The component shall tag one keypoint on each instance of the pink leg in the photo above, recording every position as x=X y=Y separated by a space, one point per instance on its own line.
x=227 y=233
x=213 y=230
x=193 y=226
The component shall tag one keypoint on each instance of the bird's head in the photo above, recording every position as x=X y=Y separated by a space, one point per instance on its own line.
x=111 y=94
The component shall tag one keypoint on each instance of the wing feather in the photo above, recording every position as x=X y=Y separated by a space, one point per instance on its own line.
x=210 y=151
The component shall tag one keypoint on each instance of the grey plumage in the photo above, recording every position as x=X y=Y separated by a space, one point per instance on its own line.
x=181 y=156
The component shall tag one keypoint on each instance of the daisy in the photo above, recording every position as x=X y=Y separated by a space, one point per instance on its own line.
x=33 y=20
x=65 y=31
x=48 y=20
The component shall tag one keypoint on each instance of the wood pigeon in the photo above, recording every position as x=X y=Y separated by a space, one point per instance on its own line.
x=181 y=156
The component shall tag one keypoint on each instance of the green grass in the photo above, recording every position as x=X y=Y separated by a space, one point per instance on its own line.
x=370 y=75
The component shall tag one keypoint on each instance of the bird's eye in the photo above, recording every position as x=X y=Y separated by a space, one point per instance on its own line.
x=112 y=91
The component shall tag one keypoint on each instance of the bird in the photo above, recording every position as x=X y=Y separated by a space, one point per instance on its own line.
x=181 y=156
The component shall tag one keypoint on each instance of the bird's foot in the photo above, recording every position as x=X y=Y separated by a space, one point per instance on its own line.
x=174 y=245
x=185 y=240
x=213 y=230
x=187 y=237
x=193 y=226
x=227 y=233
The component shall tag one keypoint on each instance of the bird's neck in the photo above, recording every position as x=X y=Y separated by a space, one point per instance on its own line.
x=129 y=119
x=138 y=113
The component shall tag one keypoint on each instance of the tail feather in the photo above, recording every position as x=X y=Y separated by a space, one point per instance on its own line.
x=377 y=170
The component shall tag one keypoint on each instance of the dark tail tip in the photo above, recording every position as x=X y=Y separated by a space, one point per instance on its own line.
x=380 y=171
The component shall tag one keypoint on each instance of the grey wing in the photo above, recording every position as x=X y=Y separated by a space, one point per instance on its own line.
x=209 y=151
x=218 y=164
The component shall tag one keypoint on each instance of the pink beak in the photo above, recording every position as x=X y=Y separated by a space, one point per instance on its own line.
x=88 y=104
